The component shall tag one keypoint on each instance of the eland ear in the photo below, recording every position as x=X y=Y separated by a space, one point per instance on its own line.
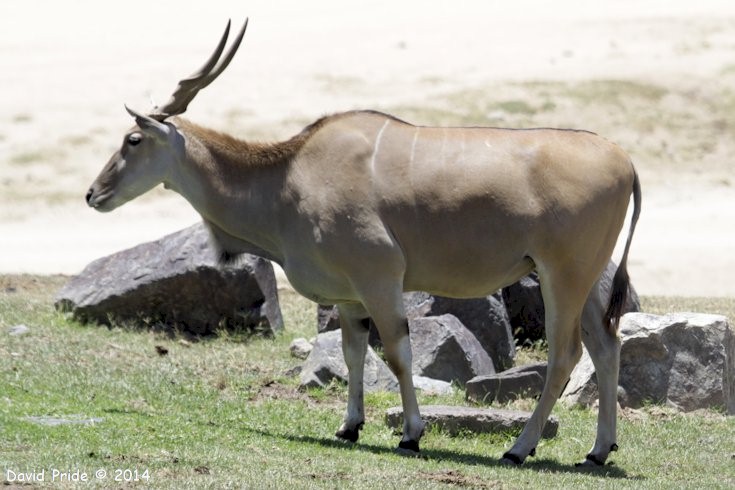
x=148 y=123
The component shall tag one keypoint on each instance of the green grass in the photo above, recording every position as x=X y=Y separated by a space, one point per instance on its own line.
x=223 y=413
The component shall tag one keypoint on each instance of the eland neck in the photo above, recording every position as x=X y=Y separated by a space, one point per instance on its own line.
x=236 y=186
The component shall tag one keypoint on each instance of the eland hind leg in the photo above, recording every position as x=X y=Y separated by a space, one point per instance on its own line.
x=564 y=289
x=603 y=347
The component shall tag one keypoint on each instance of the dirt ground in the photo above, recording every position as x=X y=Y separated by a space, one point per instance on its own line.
x=657 y=77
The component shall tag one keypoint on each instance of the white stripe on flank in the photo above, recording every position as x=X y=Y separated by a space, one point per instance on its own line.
x=462 y=149
x=413 y=146
x=377 y=145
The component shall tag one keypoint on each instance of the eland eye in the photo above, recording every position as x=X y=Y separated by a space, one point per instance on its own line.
x=134 y=139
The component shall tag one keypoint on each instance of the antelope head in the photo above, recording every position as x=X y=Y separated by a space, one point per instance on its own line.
x=152 y=147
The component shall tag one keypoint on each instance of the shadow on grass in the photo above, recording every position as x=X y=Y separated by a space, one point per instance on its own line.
x=531 y=464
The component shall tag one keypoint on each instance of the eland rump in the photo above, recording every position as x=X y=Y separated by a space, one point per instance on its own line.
x=361 y=206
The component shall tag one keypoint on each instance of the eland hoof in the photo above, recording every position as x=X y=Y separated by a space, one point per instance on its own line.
x=348 y=435
x=510 y=459
x=591 y=461
x=409 y=448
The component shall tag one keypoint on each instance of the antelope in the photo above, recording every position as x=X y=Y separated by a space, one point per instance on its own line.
x=361 y=206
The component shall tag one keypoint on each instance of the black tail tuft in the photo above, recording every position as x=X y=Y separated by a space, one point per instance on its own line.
x=621 y=281
x=618 y=297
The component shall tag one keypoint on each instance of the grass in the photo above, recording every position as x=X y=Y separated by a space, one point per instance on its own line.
x=22 y=118
x=223 y=413
x=77 y=140
x=27 y=157
x=661 y=305
x=527 y=104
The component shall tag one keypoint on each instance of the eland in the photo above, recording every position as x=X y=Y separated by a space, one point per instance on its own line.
x=361 y=206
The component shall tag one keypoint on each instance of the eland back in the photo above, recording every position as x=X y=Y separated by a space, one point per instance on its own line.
x=361 y=206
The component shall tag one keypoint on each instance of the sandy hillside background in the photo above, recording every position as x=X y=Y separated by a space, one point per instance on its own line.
x=656 y=77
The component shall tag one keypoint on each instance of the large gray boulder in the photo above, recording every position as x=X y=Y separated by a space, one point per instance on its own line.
x=525 y=306
x=485 y=317
x=456 y=419
x=432 y=386
x=327 y=318
x=177 y=281
x=326 y=362
x=684 y=360
x=445 y=349
x=416 y=304
x=518 y=382
x=728 y=378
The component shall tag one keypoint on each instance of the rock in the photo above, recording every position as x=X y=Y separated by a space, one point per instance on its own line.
x=327 y=318
x=682 y=359
x=300 y=348
x=416 y=304
x=432 y=386
x=525 y=308
x=293 y=372
x=326 y=362
x=539 y=368
x=728 y=378
x=18 y=330
x=519 y=382
x=177 y=281
x=525 y=305
x=444 y=349
x=456 y=420
x=581 y=389
x=488 y=320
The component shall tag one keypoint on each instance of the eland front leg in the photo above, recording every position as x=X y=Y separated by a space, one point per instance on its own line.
x=354 y=324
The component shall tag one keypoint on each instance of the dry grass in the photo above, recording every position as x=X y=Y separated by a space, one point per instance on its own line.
x=661 y=305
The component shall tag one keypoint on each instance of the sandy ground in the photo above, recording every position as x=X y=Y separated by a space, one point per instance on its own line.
x=656 y=77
